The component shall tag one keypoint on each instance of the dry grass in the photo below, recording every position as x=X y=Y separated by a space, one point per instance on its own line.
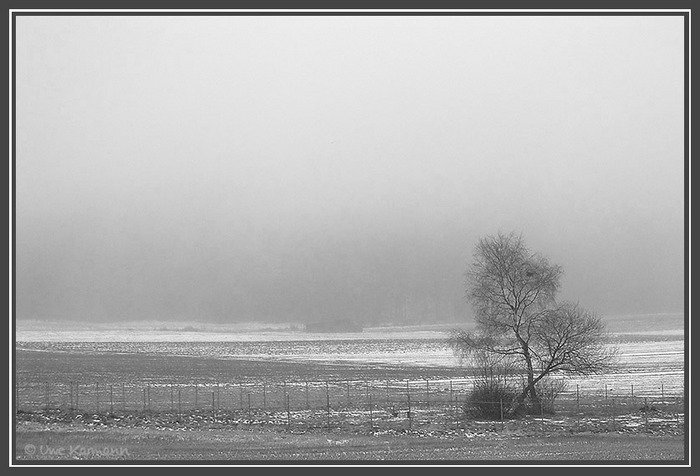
x=264 y=444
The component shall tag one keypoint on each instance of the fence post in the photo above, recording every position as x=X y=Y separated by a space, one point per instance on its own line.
x=613 y=413
x=662 y=391
x=97 y=397
x=144 y=399
x=111 y=399
x=70 y=395
x=371 y=424
x=196 y=395
x=408 y=396
x=606 y=391
x=328 y=407
x=288 y=416
x=241 y=389
x=367 y=393
x=172 y=398
x=264 y=396
x=387 y=393
x=123 y=398
x=250 y=417
x=408 y=399
x=427 y=393
x=646 y=415
x=148 y=394
x=502 y=424
x=77 y=394
x=46 y=395
x=552 y=399
x=347 y=391
x=306 y=391
x=632 y=390
x=578 y=410
x=408 y=413
x=213 y=411
x=541 y=410
x=179 y=404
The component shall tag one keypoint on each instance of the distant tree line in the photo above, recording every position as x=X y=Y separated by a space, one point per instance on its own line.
x=333 y=326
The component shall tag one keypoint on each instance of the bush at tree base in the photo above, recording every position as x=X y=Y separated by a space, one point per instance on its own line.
x=489 y=398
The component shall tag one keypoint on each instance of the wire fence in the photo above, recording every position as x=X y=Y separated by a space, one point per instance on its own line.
x=389 y=405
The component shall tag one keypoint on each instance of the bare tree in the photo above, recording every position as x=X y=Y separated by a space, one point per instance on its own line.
x=513 y=294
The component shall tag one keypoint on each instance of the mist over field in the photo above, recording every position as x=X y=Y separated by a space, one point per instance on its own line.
x=296 y=169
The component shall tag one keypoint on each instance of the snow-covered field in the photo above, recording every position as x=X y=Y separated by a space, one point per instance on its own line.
x=650 y=347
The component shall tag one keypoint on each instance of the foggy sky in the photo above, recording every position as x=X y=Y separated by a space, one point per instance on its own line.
x=302 y=168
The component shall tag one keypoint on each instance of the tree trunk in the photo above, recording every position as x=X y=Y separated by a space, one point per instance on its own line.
x=531 y=380
x=534 y=398
x=529 y=389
